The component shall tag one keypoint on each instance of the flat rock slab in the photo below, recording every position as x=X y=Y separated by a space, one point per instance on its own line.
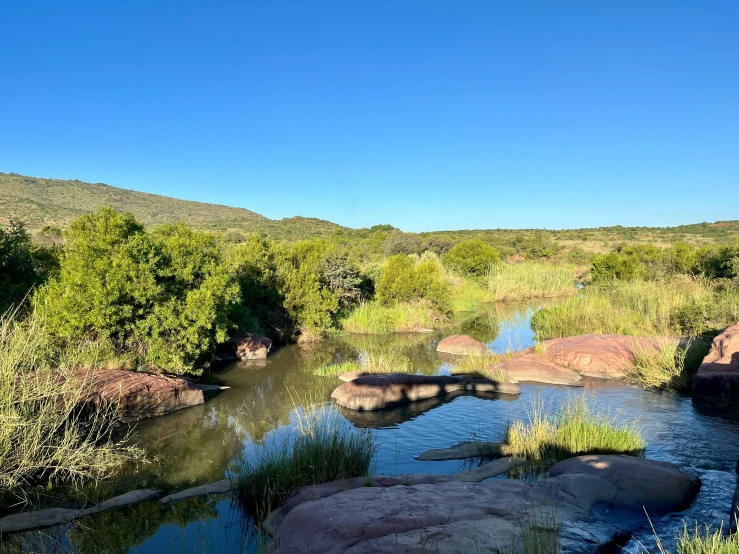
x=135 y=395
x=219 y=487
x=488 y=470
x=462 y=345
x=27 y=521
x=457 y=516
x=717 y=378
x=530 y=368
x=462 y=451
x=375 y=392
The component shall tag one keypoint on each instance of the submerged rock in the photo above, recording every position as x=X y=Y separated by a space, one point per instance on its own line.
x=252 y=347
x=717 y=378
x=534 y=369
x=135 y=395
x=462 y=451
x=375 y=392
x=458 y=516
x=462 y=345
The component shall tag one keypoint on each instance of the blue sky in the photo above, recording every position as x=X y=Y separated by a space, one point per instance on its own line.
x=423 y=114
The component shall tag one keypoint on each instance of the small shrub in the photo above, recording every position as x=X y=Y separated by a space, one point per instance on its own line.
x=404 y=280
x=472 y=257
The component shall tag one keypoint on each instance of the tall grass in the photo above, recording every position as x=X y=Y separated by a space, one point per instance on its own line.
x=44 y=438
x=574 y=430
x=672 y=366
x=372 y=318
x=520 y=281
x=322 y=448
x=475 y=365
x=706 y=540
x=674 y=306
x=385 y=362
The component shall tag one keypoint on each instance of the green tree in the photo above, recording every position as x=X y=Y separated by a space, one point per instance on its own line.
x=472 y=257
x=405 y=280
x=23 y=265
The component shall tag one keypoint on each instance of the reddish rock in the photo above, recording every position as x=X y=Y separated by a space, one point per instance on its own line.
x=604 y=356
x=530 y=368
x=134 y=395
x=717 y=378
x=462 y=345
x=375 y=392
x=253 y=347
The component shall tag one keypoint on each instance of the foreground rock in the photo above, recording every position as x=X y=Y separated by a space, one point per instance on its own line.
x=135 y=395
x=462 y=345
x=530 y=368
x=375 y=392
x=457 y=516
x=252 y=347
x=717 y=378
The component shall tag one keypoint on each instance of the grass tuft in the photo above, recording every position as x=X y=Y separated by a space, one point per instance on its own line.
x=672 y=366
x=372 y=318
x=574 y=430
x=521 y=281
x=384 y=362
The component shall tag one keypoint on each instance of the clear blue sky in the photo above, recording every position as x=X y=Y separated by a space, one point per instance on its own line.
x=423 y=114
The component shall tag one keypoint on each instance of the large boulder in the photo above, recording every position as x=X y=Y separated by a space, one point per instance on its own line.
x=717 y=378
x=252 y=347
x=462 y=345
x=659 y=487
x=375 y=392
x=530 y=368
x=135 y=395
x=452 y=515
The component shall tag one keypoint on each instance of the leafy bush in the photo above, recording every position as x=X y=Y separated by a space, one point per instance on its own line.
x=615 y=265
x=161 y=297
x=405 y=280
x=472 y=257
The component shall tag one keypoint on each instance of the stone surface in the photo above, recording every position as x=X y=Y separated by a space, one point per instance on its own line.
x=530 y=368
x=135 y=395
x=375 y=392
x=462 y=450
x=27 y=521
x=488 y=470
x=252 y=347
x=219 y=487
x=717 y=378
x=462 y=345
x=659 y=487
x=457 y=516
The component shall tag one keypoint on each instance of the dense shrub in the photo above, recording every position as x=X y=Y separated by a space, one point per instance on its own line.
x=161 y=298
x=404 y=279
x=615 y=265
x=472 y=257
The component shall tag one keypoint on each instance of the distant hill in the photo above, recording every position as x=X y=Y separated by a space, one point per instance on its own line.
x=39 y=202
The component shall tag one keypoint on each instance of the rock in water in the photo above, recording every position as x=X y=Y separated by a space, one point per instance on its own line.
x=717 y=378
x=534 y=369
x=458 y=516
x=135 y=395
x=375 y=392
x=253 y=347
x=462 y=345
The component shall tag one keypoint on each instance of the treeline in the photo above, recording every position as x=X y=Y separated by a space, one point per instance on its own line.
x=167 y=298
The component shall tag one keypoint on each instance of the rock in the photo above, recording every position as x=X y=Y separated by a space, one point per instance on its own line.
x=27 y=521
x=488 y=470
x=253 y=347
x=530 y=368
x=717 y=378
x=136 y=395
x=423 y=330
x=603 y=356
x=351 y=375
x=462 y=345
x=457 y=516
x=219 y=487
x=463 y=450
x=375 y=392
x=659 y=487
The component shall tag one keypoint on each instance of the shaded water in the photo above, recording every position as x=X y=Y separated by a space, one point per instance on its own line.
x=201 y=444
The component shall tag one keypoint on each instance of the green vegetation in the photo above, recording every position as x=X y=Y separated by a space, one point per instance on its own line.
x=475 y=365
x=679 y=305
x=380 y=362
x=44 y=437
x=472 y=257
x=707 y=541
x=574 y=430
x=672 y=366
x=324 y=448
x=405 y=280
x=372 y=318
x=520 y=281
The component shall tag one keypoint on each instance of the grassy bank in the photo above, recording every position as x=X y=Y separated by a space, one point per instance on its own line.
x=672 y=367
x=322 y=448
x=388 y=362
x=44 y=439
x=679 y=305
x=521 y=281
x=372 y=318
x=573 y=430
